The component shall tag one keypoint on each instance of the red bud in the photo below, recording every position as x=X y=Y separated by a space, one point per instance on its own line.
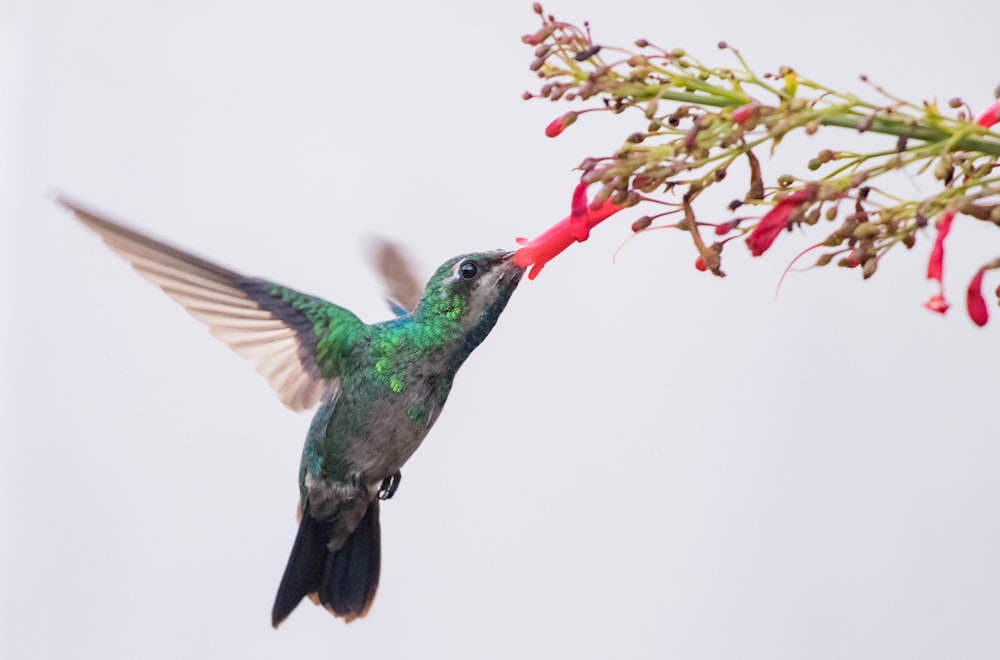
x=557 y=126
x=990 y=115
x=743 y=113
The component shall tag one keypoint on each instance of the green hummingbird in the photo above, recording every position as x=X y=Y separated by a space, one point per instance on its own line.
x=380 y=388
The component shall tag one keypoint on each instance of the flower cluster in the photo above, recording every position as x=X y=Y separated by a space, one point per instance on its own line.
x=694 y=122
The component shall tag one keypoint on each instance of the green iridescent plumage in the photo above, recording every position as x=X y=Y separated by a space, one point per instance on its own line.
x=381 y=387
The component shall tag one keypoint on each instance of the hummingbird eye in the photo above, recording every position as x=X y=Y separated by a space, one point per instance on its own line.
x=468 y=270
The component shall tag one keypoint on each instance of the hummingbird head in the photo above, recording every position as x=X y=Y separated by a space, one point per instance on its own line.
x=468 y=293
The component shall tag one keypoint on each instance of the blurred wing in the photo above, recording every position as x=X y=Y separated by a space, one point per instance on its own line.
x=402 y=286
x=292 y=338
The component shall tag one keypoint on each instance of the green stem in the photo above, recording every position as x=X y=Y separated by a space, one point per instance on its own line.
x=917 y=132
x=877 y=125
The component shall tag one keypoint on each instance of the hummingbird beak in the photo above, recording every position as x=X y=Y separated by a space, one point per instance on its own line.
x=508 y=255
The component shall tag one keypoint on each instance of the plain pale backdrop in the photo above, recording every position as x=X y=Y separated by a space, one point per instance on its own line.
x=642 y=461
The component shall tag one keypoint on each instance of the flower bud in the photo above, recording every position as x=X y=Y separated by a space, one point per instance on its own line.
x=743 y=113
x=642 y=223
x=557 y=126
x=865 y=230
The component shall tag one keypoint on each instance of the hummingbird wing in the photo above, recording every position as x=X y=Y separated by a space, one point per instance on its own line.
x=292 y=338
x=402 y=286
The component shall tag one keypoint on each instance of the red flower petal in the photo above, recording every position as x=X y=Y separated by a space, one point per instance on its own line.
x=935 y=263
x=974 y=301
x=774 y=221
x=937 y=303
x=578 y=206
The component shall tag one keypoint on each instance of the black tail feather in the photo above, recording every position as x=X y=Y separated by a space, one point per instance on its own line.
x=350 y=577
x=304 y=569
x=345 y=580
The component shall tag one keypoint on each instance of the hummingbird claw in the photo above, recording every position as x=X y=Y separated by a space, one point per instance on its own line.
x=360 y=485
x=389 y=486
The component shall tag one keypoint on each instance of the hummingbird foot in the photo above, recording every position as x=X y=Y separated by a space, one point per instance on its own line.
x=360 y=485
x=389 y=486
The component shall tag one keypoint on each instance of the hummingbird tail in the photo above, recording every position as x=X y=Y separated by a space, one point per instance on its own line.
x=344 y=581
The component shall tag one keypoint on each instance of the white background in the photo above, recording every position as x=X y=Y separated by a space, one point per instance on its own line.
x=641 y=461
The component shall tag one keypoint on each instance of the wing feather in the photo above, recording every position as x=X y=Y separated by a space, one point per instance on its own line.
x=275 y=327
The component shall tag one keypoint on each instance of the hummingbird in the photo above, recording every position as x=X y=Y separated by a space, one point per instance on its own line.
x=380 y=387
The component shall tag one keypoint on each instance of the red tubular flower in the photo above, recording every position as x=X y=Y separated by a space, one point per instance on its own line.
x=990 y=115
x=935 y=263
x=574 y=228
x=974 y=301
x=775 y=220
